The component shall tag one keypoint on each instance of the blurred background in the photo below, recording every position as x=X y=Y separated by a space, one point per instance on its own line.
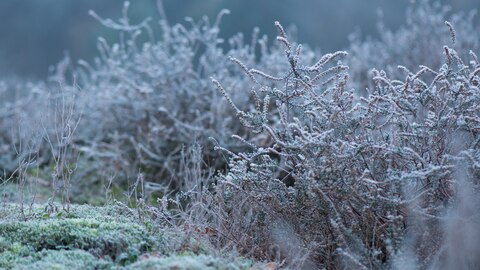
x=36 y=34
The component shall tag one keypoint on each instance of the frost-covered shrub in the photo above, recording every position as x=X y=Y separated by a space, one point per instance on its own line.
x=357 y=175
x=138 y=106
x=419 y=42
x=146 y=100
x=37 y=124
x=20 y=113
x=318 y=175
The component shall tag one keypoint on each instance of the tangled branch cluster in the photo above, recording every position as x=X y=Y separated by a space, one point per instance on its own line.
x=343 y=160
x=361 y=169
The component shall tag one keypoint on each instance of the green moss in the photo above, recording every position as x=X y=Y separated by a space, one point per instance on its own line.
x=62 y=259
x=189 y=262
x=89 y=237
x=107 y=238
x=104 y=231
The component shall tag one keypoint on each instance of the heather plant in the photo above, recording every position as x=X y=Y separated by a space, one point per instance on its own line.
x=419 y=42
x=363 y=160
x=147 y=100
x=21 y=148
x=140 y=104
x=361 y=174
x=18 y=122
x=37 y=124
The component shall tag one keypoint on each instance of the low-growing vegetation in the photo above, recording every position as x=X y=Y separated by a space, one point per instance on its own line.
x=111 y=237
x=249 y=153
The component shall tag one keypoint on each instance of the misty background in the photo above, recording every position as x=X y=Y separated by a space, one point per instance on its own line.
x=36 y=34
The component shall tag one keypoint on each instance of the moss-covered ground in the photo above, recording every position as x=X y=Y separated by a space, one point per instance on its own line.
x=87 y=237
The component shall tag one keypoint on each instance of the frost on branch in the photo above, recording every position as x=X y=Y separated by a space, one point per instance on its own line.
x=353 y=173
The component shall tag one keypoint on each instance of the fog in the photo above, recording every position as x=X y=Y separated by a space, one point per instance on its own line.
x=37 y=34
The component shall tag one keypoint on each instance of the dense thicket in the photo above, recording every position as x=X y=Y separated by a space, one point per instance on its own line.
x=364 y=158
